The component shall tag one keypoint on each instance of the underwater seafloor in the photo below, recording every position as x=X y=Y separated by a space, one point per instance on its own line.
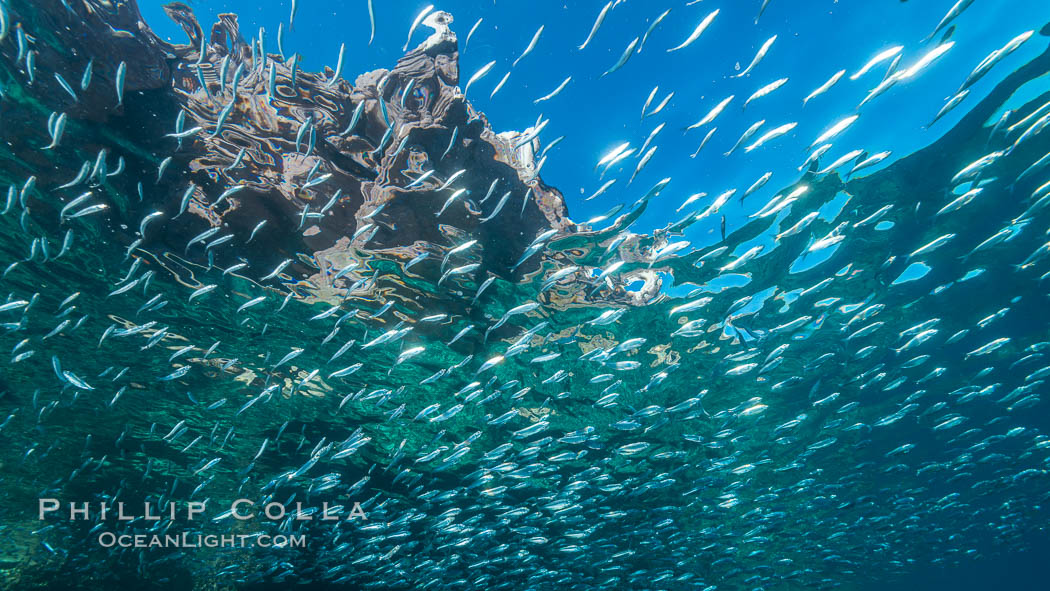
x=226 y=277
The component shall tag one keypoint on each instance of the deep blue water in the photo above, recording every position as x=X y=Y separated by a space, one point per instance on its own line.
x=1017 y=570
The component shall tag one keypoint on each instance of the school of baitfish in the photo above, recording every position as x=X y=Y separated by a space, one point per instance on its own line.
x=850 y=387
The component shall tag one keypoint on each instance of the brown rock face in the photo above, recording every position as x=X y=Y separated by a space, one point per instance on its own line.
x=329 y=169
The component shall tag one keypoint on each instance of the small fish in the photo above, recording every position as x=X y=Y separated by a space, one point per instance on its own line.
x=31 y=65
x=713 y=113
x=771 y=135
x=449 y=201
x=697 y=31
x=601 y=189
x=419 y=18
x=597 y=24
x=65 y=86
x=834 y=130
x=122 y=72
x=988 y=348
x=652 y=26
x=555 y=92
x=927 y=59
x=342 y=50
x=88 y=211
x=623 y=58
x=500 y=85
x=15 y=305
x=458 y=271
x=478 y=75
x=757 y=184
x=750 y=131
x=408 y=354
x=660 y=106
x=56 y=134
x=461 y=248
x=76 y=381
x=202 y=291
x=461 y=334
x=952 y=14
x=223 y=115
x=960 y=202
x=236 y=161
x=762 y=51
x=649 y=100
x=85 y=78
x=181 y=135
x=493 y=362
x=295 y=352
x=824 y=87
x=372 y=22
x=878 y=59
x=995 y=57
x=641 y=164
x=761 y=10
x=531 y=46
x=255 y=230
x=931 y=246
x=869 y=161
x=471 y=33
x=485 y=286
x=349 y=370
x=234 y=268
x=277 y=270
x=178 y=373
x=499 y=207
x=765 y=90
x=417 y=259
x=852 y=155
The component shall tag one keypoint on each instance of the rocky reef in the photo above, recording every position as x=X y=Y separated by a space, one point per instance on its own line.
x=221 y=134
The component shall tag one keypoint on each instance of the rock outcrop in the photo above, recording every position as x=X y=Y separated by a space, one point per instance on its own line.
x=221 y=133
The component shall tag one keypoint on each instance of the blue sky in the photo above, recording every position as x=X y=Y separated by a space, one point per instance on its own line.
x=814 y=40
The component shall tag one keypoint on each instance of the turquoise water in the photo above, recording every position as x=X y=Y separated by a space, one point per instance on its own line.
x=364 y=296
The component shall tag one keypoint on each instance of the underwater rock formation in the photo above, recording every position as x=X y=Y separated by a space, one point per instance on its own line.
x=327 y=167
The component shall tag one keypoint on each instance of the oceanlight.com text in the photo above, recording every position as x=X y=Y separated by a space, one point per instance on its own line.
x=186 y=540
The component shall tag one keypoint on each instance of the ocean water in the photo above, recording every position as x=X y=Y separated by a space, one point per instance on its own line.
x=627 y=295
